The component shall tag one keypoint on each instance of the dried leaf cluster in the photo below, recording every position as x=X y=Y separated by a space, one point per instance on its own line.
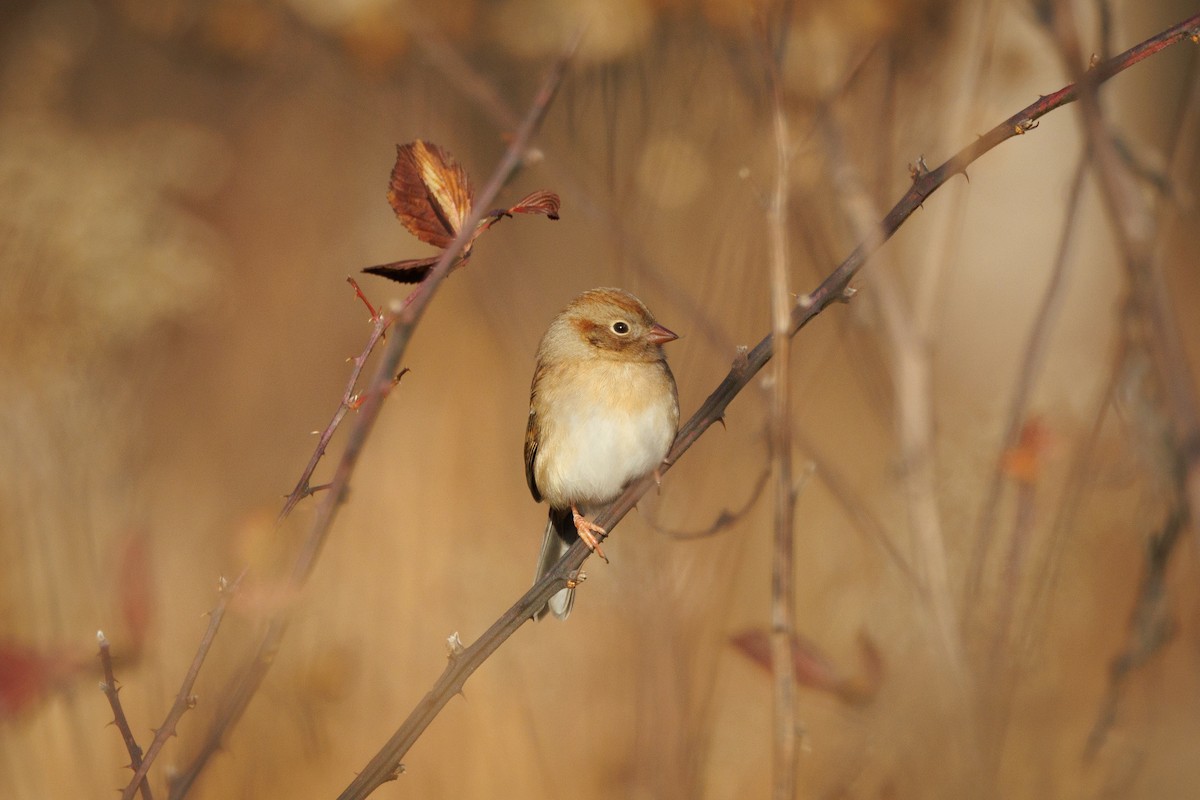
x=432 y=196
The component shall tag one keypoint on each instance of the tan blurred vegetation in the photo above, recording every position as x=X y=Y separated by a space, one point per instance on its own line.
x=184 y=186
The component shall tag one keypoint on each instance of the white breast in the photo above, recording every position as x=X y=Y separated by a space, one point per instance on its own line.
x=603 y=430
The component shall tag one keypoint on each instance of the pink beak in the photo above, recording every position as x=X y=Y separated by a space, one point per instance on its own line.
x=661 y=335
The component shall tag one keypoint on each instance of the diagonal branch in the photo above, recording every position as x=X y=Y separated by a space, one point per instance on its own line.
x=245 y=683
x=386 y=764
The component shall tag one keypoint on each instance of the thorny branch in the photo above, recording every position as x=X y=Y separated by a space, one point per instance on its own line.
x=380 y=322
x=386 y=764
x=110 y=688
x=239 y=692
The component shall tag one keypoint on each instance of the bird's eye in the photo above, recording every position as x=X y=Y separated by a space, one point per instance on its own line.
x=620 y=328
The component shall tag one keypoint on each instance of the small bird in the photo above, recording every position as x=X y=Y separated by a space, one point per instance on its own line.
x=603 y=411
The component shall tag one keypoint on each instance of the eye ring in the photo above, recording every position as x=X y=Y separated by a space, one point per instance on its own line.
x=620 y=327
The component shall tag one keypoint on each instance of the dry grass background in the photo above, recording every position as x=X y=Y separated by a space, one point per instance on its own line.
x=184 y=186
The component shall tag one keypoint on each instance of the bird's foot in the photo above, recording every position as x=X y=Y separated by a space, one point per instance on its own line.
x=587 y=531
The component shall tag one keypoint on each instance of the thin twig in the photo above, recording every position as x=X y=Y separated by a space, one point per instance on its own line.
x=386 y=764
x=724 y=519
x=856 y=508
x=380 y=322
x=111 y=689
x=184 y=699
x=245 y=683
x=1150 y=626
x=786 y=760
x=1036 y=348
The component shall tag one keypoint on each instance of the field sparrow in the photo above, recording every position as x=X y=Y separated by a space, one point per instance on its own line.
x=603 y=411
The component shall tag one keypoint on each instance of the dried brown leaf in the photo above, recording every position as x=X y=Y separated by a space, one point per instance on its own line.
x=412 y=270
x=430 y=192
x=542 y=201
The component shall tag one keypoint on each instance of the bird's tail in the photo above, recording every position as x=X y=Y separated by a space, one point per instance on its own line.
x=560 y=533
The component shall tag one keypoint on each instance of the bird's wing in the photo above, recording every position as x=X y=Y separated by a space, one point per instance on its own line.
x=531 y=440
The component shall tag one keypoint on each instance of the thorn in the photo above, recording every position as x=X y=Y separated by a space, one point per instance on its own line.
x=721 y=419
x=314 y=433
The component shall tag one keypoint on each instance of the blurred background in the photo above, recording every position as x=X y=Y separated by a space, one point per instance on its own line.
x=186 y=184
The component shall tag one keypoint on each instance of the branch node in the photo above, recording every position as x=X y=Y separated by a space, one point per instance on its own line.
x=918 y=170
x=741 y=360
x=454 y=646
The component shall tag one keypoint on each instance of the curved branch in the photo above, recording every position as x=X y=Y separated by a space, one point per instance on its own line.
x=386 y=764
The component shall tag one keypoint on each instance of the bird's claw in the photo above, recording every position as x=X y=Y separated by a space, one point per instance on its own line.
x=587 y=531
